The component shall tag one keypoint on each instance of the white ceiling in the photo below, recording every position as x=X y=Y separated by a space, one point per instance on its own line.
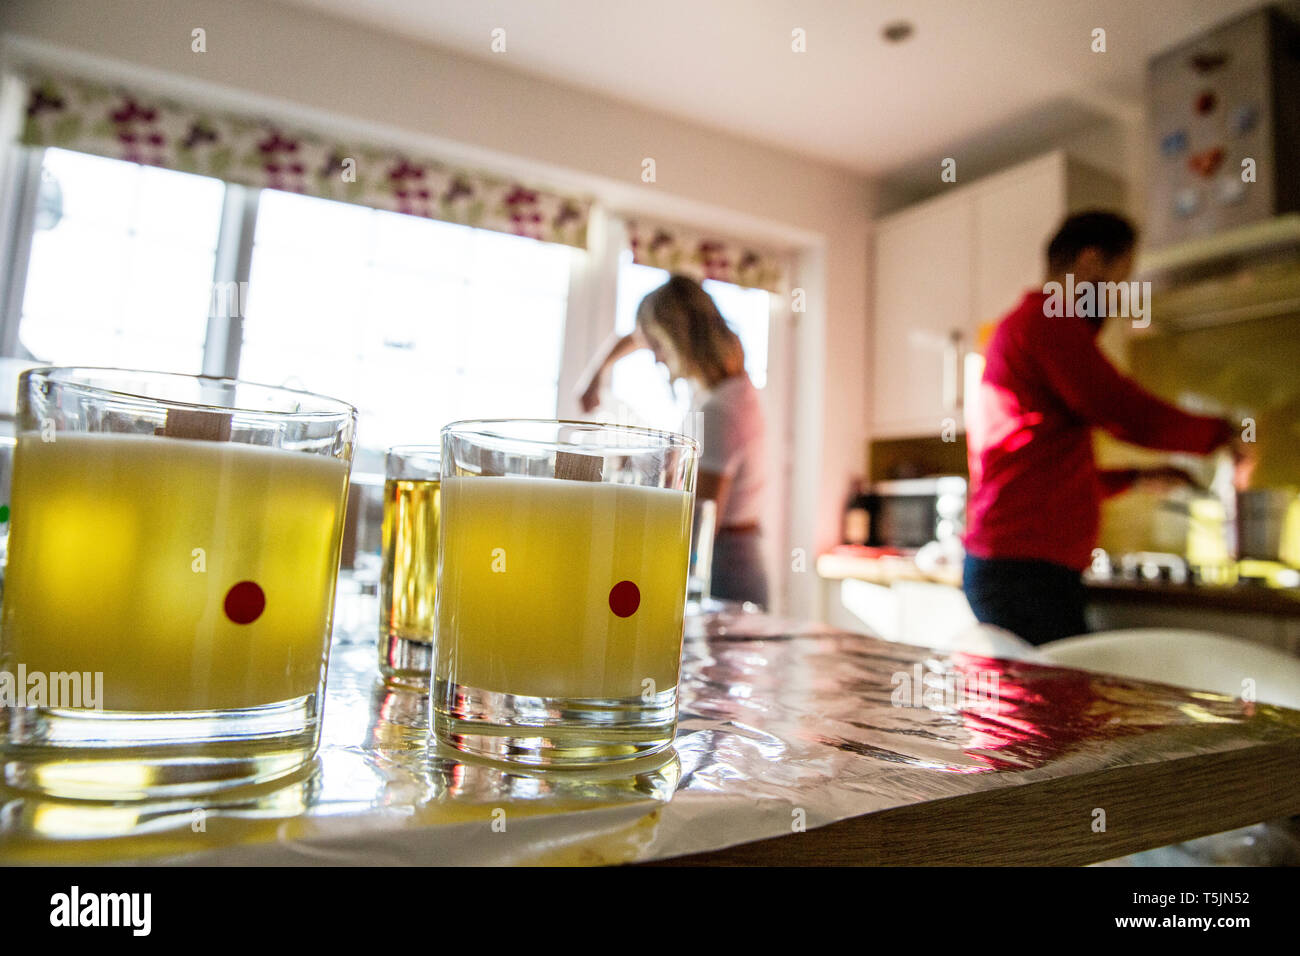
x=851 y=99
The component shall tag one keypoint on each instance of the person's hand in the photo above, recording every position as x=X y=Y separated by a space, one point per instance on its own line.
x=1245 y=457
x=590 y=398
x=1164 y=479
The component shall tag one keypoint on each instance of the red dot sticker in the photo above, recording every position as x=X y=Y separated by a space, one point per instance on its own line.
x=624 y=598
x=245 y=602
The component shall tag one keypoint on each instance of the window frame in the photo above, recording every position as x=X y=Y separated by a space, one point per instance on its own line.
x=22 y=186
x=233 y=263
x=18 y=201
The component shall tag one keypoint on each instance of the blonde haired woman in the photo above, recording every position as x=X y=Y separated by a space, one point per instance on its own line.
x=682 y=326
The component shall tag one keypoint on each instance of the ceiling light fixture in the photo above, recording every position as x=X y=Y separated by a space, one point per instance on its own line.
x=897 y=32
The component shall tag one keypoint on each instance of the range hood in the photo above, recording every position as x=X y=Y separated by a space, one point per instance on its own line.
x=1251 y=272
x=1223 y=158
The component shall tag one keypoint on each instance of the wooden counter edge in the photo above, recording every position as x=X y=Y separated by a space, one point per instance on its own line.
x=1048 y=823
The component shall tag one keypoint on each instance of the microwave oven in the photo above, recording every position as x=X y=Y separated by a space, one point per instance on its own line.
x=913 y=512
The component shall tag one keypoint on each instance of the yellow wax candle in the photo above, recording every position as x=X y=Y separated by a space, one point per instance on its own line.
x=561 y=588
x=196 y=575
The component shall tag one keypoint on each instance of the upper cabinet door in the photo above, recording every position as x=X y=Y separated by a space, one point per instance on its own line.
x=1016 y=215
x=923 y=280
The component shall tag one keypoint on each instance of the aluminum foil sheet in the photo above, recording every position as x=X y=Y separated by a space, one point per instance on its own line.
x=779 y=722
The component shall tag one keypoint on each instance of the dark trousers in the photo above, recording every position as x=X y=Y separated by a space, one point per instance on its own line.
x=1036 y=600
x=738 y=573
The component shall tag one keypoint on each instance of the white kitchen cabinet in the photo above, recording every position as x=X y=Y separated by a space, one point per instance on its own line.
x=949 y=266
x=923 y=613
x=924 y=282
x=1016 y=214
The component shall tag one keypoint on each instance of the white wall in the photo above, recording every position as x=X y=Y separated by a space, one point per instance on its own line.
x=262 y=56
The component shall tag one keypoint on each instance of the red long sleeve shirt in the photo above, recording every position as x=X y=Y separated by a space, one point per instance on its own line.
x=1035 y=489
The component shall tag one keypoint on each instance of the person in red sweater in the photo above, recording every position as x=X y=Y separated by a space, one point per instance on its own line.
x=1035 y=493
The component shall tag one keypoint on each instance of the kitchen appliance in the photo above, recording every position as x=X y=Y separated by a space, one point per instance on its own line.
x=1153 y=566
x=1268 y=525
x=1221 y=240
x=1232 y=534
x=913 y=512
x=1254 y=524
x=1224 y=137
x=1158 y=568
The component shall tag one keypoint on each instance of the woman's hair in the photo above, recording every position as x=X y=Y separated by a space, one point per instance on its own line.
x=684 y=313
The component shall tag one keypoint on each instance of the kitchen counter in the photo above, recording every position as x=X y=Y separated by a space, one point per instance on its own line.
x=886 y=569
x=1247 y=598
x=797 y=744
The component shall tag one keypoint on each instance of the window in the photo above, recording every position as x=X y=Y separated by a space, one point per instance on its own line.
x=121 y=264
x=416 y=322
x=639 y=386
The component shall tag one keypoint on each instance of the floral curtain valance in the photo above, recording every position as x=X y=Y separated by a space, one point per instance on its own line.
x=72 y=114
x=703 y=257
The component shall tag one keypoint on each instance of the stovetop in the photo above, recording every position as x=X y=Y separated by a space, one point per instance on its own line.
x=1156 y=567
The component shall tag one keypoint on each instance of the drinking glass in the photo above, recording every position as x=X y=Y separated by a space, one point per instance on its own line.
x=168 y=601
x=409 y=579
x=699 y=583
x=561 y=590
